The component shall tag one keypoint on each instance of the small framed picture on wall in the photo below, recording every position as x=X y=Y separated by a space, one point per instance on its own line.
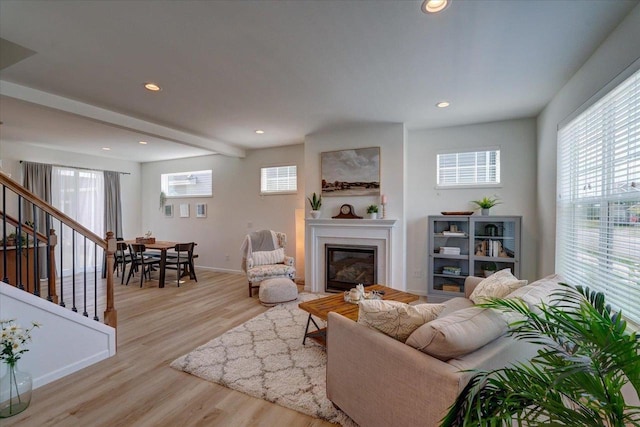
x=184 y=210
x=168 y=211
x=201 y=210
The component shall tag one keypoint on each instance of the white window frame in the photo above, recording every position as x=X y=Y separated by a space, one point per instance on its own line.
x=191 y=184
x=264 y=191
x=598 y=226
x=440 y=157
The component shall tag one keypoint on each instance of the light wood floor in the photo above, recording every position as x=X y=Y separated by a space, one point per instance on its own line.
x=137 y=387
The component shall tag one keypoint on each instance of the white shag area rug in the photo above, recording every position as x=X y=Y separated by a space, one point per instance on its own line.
x=265 y=358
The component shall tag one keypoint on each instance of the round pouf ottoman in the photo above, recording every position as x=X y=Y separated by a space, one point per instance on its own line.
x=276 y=291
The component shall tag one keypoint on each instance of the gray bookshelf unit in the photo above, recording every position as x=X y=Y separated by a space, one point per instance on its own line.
x=463 y=245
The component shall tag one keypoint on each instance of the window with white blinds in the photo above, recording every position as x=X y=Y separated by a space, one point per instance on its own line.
x=471 y=168
x=278 y=180
x=187 y=184
x=598 y=205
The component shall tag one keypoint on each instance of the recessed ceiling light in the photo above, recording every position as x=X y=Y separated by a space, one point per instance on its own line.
x=106 y=148
x=152 y=87
x=442 y=104
x=143 y=142
x=259 y=131
x=434 y=6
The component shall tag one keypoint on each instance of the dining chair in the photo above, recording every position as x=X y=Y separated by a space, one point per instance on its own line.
x=182 y=258
x=122 y=258
x=139 y=259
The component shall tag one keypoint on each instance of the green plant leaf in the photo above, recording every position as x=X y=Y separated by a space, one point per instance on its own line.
x=586 y=356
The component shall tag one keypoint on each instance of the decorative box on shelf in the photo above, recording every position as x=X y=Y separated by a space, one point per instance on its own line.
x=451 y=287
x=145 y=240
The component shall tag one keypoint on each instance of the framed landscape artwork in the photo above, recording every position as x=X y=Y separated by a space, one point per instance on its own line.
x=353 y=172
x=168 y=211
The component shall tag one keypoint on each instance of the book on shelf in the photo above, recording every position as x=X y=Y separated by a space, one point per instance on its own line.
x=448 y=250
x=454 y=271
x=493 y=248
x=454 y=233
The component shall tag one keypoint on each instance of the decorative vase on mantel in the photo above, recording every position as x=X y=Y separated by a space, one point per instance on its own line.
x=485 y=211
x=15 y=391
x=315 y=214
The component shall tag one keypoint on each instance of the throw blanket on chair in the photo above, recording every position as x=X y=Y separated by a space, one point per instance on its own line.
x=263 y=240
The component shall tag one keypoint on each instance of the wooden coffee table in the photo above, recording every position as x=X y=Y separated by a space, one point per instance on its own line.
x=322 y=306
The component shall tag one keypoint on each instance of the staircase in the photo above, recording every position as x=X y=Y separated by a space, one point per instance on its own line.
x=28 y=255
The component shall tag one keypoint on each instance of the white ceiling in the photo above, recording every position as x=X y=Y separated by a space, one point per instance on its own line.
x=291 y=68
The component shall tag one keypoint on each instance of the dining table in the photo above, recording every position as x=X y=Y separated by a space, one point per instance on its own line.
x=163 y=246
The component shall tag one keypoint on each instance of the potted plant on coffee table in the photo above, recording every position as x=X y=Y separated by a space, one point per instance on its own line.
x=586 y=357
x=486 y=203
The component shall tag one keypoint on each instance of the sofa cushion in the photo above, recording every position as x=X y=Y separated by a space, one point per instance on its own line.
x=458 y=333
x=540 y=291
x=394 y=318
x=498 y=285
x=275 y=256
x=455 y=304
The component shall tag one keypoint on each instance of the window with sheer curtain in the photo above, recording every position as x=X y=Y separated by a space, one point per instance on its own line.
x=598 y=205
x=79 y=194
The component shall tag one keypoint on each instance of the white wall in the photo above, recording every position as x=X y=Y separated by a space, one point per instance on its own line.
x=391 y=140
x=235 y=209
x=516 y=139
x=13 y=152
x=617 y=52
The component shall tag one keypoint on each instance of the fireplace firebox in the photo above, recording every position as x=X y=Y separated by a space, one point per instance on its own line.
x=350 y=265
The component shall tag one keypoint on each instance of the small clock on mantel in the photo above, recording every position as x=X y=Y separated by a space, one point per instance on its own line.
x=347 y=211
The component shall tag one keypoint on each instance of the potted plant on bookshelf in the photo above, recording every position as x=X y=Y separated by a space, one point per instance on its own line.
x=316 y=202
x=488 y=268
x=486 y=203
x=372 y=210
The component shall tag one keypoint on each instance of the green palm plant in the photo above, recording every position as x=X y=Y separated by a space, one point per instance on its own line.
x=576 y=379
x=487 y=202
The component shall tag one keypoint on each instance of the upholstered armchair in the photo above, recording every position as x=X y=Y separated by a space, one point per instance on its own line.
x=264 y=258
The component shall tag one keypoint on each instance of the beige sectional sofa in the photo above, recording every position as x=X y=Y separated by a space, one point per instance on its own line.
x=379 y=381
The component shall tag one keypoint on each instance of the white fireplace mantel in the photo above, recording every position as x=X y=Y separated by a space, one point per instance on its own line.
x=369 y=232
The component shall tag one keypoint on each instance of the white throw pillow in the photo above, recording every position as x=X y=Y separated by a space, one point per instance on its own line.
x=268 y=257
x=396 y=319
x=498 y=285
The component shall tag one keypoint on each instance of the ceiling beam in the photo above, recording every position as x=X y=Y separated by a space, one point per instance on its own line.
x=116 y=119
